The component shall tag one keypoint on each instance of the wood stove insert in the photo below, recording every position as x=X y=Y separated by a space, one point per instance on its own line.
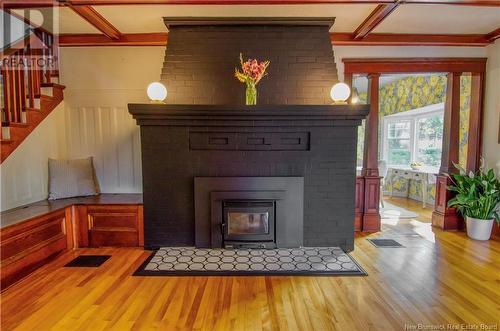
x=249 y=224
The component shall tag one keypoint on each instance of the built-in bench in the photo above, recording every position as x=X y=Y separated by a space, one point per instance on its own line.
x=32 y=235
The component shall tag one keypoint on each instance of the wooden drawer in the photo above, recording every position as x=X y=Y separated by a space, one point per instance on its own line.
x=110 y=225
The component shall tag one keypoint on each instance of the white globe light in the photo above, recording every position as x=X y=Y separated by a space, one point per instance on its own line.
x=340 y=92
x=157 y=92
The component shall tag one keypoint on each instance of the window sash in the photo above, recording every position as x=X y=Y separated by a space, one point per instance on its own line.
x=413 y=134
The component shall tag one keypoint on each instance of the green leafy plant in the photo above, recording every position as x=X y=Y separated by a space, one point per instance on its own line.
x=477 y=194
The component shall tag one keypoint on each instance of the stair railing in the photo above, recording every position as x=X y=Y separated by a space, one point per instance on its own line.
x=24 y=69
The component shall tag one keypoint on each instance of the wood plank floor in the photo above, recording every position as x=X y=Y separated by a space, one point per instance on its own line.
x=438 y=278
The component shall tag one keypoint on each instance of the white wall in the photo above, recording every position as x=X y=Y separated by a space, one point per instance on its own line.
x=24 y=174
x=100 y=82
x=491 y=147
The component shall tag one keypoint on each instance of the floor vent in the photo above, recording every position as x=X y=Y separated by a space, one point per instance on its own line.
x=385 y=243
x=88 y=261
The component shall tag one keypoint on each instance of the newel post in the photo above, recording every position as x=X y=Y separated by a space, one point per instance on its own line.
x=371 y=216
x=444 y=217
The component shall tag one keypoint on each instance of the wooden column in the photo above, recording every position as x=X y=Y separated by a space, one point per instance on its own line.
x=371 y=216
x=348 y=81
x=475 y=121
x=444 y=217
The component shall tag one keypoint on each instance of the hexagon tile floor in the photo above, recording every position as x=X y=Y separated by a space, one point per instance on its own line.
x=176 y=261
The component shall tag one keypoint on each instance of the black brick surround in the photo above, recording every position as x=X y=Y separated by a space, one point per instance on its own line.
x=173 y=154
x=201 y=56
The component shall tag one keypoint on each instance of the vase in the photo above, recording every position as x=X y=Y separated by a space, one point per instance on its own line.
x=251 y=94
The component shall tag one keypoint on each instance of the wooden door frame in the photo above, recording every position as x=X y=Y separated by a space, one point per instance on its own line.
x=443 y=217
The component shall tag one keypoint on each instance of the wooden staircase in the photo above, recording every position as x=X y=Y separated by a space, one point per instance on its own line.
x=29 y=92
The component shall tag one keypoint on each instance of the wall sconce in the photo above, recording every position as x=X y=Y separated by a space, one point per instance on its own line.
x=157 y=92
x=340 y=93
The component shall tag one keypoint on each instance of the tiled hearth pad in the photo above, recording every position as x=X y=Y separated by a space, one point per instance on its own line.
x=297 y=261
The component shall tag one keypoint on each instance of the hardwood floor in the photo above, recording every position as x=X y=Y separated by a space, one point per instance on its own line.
x=424 y=214
x=439 y=278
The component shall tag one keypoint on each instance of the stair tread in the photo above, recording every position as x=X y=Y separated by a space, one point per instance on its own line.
x=52 y=85
x=14 y=124
x=32 y=109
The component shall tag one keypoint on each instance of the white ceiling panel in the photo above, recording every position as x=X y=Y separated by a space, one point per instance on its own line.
x=149 y=18
x=60 y=19
x=441 y=19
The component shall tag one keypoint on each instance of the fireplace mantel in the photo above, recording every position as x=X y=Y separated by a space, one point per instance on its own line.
x=240 y=115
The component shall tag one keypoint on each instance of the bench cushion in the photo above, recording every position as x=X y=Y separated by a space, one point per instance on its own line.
x=71 y=178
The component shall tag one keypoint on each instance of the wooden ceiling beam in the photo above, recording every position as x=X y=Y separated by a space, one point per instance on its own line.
x=49 y=3
x=389 y=39
x=337 y=39
x=375 y=18
x=97 y=20
x=493 y=35
x=132 y=39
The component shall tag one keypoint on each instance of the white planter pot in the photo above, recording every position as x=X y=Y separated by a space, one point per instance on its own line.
x=479 y=229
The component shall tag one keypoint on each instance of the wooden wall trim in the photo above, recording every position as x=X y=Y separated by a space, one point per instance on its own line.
x=409 y=65
x=34 y=3
x=132 y=39
x=337 y=39
x=54 y=3
x=395 y=39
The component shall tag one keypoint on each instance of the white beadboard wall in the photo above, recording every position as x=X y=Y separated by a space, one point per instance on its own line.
x=24 y=174
x=100 y=82
x=106 y=131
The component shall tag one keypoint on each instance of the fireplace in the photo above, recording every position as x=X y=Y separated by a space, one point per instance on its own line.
x=294 y=148
x=197 y=157
x=249 y=224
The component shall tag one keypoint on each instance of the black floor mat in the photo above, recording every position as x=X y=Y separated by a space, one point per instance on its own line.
x=385 y=243
x=88 y=261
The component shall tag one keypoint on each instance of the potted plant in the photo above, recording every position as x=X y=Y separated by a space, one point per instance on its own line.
x=477 y=199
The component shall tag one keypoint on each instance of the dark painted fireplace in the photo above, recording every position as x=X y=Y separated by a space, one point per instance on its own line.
x=196 y=157
x=204 y=153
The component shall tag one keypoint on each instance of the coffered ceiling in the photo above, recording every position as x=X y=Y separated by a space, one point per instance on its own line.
x=148 y=18
x=357 y=22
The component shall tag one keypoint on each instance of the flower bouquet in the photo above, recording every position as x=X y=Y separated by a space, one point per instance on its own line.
x=252 y=72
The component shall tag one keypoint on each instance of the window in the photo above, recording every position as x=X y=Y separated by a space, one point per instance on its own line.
x=398 y=143
x=414 y=136
x=429 y=139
